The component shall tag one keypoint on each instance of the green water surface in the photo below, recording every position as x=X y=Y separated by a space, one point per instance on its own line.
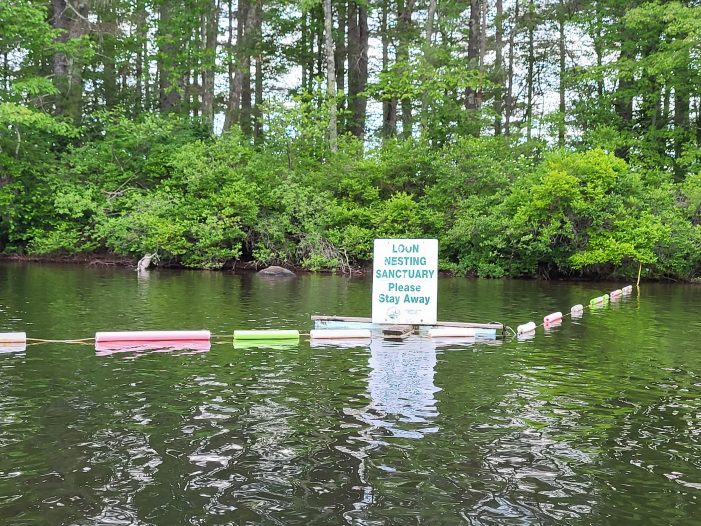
x=597 y=421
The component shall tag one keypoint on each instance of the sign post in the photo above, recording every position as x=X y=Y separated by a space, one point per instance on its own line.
x=405 y=281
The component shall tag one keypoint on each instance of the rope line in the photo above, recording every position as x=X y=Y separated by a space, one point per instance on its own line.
x=77 y=340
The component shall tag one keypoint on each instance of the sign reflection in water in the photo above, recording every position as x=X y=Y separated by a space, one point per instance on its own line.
x=401 y=387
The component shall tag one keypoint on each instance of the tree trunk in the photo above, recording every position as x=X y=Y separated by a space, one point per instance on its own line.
x=561 y=88
x=211 y=24
x=108 y=30
x=510 y=87
x=357 y=67
x=168 y=94
x=258 y=108
x=389 y=107
x=239 y=104
x=428 y=57
x=530 y=79
x=142 y=83
x=404 y=23
x=72 y=21
x=304 y=36
x=498 y=67
x=344 y=19
x=473 y=51
x=330 y=75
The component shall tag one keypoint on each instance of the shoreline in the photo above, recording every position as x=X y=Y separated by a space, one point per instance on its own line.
x=112 y=260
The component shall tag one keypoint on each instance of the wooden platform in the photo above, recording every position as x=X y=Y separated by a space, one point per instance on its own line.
x=355 y=322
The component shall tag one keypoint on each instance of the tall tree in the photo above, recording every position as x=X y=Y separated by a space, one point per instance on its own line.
x=71 y=19
x=211 y=27
x=389 y=105
x=358 y=36
x=405 y=10
x=472 y=101
x=499 y=76
x=330 y=75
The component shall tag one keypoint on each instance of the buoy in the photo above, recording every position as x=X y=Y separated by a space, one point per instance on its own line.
x=606 y=298
x=13 y=337
x=615 y=293
x=148 y=336
x=12 y=347
x=526 y=328
x=339 y=334
x=452 y=332
x=267 y=334
x=596 y=301
x=627 y=289
x=550 y=318
x=577 y=309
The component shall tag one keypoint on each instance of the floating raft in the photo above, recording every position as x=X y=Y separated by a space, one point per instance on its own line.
x=353 y=322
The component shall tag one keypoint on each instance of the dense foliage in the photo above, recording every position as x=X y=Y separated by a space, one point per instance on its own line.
x=111 y=137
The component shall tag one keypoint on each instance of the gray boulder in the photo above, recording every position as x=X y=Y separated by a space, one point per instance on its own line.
x=276 y=271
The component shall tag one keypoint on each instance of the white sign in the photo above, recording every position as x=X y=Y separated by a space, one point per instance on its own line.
x=405 y=281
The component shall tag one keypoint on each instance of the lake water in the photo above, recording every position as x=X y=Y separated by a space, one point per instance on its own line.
x=597 y=421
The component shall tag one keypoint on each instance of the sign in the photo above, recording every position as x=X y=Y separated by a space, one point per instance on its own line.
x=405 y=281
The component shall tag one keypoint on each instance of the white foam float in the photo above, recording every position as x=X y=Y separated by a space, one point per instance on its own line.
x=526 y=328
x=452 y=332
x=339 y=334
x=13 y=337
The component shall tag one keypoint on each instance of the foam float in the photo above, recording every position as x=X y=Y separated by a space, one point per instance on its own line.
x=452 y=332
x=12 y=347
x=339 y=334
x=526 y=328
x=150 y=336
x=13 y=337
x=627 y=289
x=577 y=309
x=266 y=334
x=596 y=301
x=552 y=318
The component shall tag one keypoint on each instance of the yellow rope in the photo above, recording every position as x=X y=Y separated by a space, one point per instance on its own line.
x=80 y=340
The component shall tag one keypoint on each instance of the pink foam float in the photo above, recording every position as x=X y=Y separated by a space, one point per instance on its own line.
x=107 y=348
x=152 y=336
x=552 y=318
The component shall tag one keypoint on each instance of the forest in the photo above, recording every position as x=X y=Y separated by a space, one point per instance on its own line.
x=532 y=138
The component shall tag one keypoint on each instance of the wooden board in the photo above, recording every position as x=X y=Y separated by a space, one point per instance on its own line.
x=366 y=323
x=397 y=332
